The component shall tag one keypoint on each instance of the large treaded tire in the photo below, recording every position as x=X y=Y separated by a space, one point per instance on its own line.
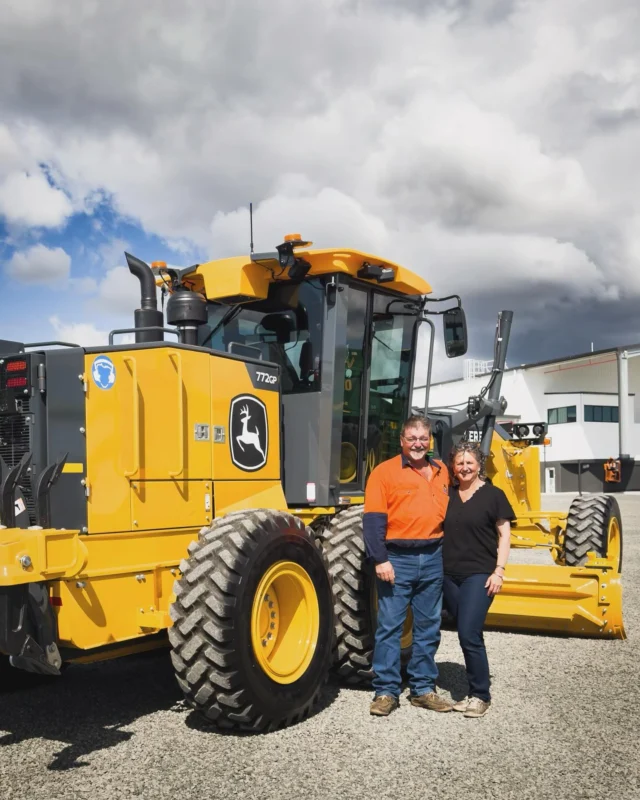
x=211 y=642
x=588 y=528
x=353 y=585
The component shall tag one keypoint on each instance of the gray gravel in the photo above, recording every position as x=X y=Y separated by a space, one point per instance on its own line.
x=564 y=724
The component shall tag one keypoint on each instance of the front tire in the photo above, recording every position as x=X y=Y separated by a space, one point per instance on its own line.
x=594 y=523
x=253 y=621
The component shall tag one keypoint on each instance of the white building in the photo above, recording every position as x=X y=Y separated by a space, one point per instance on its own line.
x=578 y=398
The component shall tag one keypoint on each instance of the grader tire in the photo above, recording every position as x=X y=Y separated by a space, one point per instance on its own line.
x=594 y=523
x=253 y=621
x=353 y=585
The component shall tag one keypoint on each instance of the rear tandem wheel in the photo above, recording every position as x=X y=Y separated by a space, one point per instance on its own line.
x=354 y=596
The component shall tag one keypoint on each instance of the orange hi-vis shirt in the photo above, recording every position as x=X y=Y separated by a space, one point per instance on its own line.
x=402 y=507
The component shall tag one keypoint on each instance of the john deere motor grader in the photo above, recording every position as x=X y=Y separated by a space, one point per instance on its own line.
x=212 y=486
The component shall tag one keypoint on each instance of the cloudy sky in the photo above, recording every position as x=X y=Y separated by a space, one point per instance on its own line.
x=490 y=145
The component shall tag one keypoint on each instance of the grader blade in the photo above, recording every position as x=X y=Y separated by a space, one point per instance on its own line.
x=576 y=601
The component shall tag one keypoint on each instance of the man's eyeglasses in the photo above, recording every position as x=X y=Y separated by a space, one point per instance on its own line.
x=413 y=440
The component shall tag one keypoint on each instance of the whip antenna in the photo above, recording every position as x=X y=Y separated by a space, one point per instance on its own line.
x=251 y=226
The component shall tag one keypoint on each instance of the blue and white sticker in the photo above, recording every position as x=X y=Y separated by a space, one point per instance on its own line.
x=103 y=372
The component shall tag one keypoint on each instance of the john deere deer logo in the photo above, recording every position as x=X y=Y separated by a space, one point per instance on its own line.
x=248 y=437
x=248 y=430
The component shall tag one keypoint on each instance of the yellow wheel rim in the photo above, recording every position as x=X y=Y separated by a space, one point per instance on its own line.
x=348 y=463
x=614 y=541
x=371 y=461
x=285 y=622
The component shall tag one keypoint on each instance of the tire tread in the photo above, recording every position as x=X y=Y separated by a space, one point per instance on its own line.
x=587 y=527
x=201 y=637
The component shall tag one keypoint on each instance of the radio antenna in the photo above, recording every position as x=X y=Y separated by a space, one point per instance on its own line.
x=251 y=225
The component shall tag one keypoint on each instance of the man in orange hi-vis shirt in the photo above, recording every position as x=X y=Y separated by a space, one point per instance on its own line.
x=404 y=506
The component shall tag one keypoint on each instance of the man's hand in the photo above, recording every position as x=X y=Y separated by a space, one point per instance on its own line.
x=385 y=572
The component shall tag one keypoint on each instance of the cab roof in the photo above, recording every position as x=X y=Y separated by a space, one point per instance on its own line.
x=245 y=278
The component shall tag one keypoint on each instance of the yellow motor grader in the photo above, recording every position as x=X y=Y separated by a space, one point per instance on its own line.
x=209 y=488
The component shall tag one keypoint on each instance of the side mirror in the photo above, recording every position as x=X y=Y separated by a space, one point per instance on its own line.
x=455 y=332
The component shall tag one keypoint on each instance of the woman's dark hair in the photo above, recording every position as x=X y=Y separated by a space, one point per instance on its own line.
x=467 y=447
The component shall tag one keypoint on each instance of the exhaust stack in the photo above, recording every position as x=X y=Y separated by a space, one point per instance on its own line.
x=147 y=316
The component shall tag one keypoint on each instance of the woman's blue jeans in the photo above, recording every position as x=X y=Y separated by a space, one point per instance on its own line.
x=418 y=583
x=466 y=599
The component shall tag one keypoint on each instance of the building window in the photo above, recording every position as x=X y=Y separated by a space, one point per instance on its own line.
x=556 y=416
x=601 y=414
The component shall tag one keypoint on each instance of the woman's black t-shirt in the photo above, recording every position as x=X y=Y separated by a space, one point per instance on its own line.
x=470 y=543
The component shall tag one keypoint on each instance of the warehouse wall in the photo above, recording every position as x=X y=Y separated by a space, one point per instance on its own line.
x=531 y=390
x=591 y=477
x=580 y=440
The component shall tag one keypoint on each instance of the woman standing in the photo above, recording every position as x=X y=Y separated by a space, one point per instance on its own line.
x=477 y=537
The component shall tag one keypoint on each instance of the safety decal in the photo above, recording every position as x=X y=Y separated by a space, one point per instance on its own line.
x=103 y=372
x=248 y=432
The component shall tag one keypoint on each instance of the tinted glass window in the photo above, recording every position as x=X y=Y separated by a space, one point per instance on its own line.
x=350 y=464
x=286 y=328
x=558 y=416
x=601 y=414
x=391 y=353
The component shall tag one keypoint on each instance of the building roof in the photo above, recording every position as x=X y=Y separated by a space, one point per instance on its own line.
x=547 y=362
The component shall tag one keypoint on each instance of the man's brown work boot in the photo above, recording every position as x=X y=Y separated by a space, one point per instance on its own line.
x=432 y=701
x=383 y=705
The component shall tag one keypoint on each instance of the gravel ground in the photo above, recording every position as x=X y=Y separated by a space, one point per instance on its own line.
x=564 y=723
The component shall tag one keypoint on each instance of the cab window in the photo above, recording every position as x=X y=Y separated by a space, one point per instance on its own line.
x=390 y=382
x=286 y=328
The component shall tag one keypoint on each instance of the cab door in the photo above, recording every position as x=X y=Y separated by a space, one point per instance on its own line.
x=378 y=374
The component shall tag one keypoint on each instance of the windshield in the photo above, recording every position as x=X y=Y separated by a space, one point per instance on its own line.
x=286 y=328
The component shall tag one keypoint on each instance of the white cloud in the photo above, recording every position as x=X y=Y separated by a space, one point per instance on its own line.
x=463 y=261
x=118 y=292
x=39 y=264
x=85 y=334
x=30 y=200
x=325 y=215
x=447 y=159
x=490 y=145
x=82 y=333
x=27 y=197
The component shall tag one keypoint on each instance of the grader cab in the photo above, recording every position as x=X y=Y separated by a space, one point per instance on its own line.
x=210 y=489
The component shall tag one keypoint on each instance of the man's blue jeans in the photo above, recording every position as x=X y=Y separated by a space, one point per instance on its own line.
x=418 y=583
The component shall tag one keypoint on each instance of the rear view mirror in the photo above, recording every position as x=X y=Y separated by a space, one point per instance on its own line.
x=455 y=332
